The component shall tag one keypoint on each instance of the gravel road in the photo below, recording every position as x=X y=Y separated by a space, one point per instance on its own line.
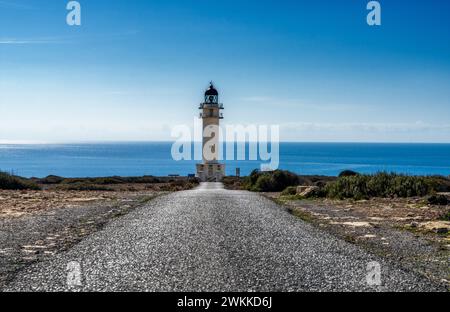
x=211 y=239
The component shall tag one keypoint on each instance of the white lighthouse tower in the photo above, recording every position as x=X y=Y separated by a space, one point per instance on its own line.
x=211 y=170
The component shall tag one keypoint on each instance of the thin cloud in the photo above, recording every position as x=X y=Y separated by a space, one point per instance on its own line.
x=15 y=5
x=381 y=127
x=66 y=39
x=26 y=41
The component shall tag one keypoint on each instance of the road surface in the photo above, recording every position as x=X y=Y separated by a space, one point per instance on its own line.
x=211 y=239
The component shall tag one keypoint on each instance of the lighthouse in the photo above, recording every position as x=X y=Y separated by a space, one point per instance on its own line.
x=210 y=113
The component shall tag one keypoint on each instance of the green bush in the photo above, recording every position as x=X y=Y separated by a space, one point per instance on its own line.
x=446 y=216
x=83 y=186
x=274 y=181
x=51 y=179
x=319 y=192
x=143 y=180
x=179 y=185
x=439 y=200
x=252 y=178
x=380 y=185
x=289 y=191
x=442 y=184
x=348 y=187
x=113 y=180
x=10 y=182
x=263 y=184
x=102 y=181
x=348 y=173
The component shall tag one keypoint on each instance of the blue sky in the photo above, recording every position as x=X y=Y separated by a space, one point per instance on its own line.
x=136 y=68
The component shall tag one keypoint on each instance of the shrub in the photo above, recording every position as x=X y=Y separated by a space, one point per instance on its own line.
x=234 y=183
x=83 y=186
x=51 y=179
x=348 y=187
x=180 y=185
x=442 y=184
x=348 y=173
x=113 y=180
x=263 y=184
x=318 y=192
x=252 y=178
x=144 y=179
x=102 y=181
x=446 y=216
x=380 y=185
x=10 y=182
x=439 y=200
x=274 y=181
x=283 y=179
x=290 y=190
x=107 y=180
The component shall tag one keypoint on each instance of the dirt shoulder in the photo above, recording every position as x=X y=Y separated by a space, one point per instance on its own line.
x=36 y=225
x=408 y=231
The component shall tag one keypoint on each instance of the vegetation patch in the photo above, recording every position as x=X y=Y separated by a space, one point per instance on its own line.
x=348 y=173
x=116 y=183
x=83 y=186
x=179 y=185
x=10 y=182
x=100 y=180
x=349 y=185
x=275 y=181
x=303 y=215
x=289 y=191
x=387 y=185
x=446 y=216
x=439 y=200
x=233 y=183
x=51 y=179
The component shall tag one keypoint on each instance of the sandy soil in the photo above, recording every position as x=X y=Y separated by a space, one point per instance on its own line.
x=15 y=204
x=20 y=203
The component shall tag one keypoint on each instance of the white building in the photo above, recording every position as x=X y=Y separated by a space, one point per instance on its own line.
x=211 y=170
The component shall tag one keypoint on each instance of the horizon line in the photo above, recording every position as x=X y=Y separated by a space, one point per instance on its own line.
x=21 y=142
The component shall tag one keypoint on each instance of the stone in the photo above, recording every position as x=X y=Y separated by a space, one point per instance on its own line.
x=353 y=224
x=304 y=191
x=439 y=227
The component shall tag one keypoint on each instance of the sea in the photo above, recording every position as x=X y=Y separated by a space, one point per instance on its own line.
x=155 y=158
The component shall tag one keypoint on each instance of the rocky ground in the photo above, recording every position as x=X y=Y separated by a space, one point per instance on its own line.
x=408 y=231
x=36 y=225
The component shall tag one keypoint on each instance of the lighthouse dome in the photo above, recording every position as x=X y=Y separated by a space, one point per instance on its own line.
x=211 y=91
